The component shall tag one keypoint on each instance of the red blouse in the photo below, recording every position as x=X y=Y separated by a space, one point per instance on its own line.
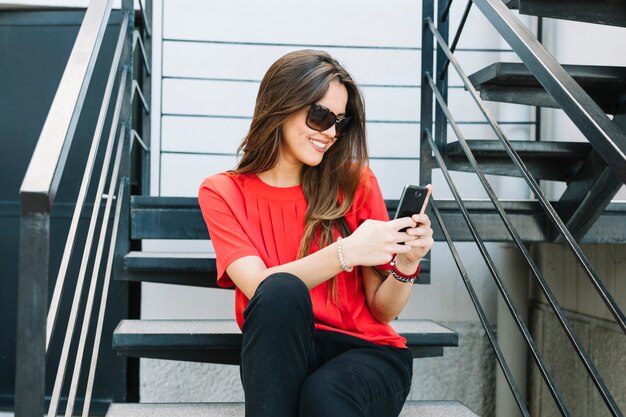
x=247 y=217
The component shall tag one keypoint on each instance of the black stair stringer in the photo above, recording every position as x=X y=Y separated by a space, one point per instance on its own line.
x=589 y=193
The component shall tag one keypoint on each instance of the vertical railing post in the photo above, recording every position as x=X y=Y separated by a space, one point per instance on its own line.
x=126 y=117
x=32 y=302
x=427 y=162
x=126 y=112
x=441 y=122
x=147 y=92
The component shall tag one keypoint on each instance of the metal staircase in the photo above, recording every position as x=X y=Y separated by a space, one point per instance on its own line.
x=593 y=171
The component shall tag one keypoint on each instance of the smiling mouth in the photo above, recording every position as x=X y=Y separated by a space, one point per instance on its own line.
x=317 y=144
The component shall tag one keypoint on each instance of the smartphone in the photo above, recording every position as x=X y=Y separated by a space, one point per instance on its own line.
x=412 y=201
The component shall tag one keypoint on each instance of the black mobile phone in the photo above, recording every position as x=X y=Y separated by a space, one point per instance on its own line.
x=412 y=201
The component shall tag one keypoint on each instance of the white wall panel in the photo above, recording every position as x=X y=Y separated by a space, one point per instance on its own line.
x=200 y=97
x=327 y=22
x=181 y=175
x=236 y=99
x=203 y=134
x=222 y=136
x=393 y=139
x=250 y=62
x=367 y=66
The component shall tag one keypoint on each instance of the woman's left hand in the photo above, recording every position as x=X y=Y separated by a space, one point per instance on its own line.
x=421 y=244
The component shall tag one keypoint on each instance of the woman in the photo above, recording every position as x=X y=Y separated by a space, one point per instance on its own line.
x=301 y=229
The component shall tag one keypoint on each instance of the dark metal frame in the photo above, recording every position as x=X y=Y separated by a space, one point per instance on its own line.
x=607 y=137
x=579 y=107
x=37 y=196
x=578 y=347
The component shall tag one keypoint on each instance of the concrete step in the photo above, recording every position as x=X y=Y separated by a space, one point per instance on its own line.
x=219 y=341
x=514 y=83
x=411 y=409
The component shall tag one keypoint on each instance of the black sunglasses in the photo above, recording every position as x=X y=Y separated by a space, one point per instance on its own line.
x=320 y=118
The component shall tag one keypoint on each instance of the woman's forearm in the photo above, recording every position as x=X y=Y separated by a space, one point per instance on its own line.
x=391 y=296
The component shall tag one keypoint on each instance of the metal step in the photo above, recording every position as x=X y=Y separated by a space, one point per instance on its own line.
x=196 y=269
x=219 y=341
x=604 y=12
x=411 y=409
x=514 y=83
x=180 y=215
x=556 y=161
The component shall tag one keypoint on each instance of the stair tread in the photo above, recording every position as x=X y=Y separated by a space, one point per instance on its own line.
x=411 y=408
x=535 y=149
x=530 y=223
x=225 y=333
x=605 y=12
x=514 y=83
x=166 y=261
x=513 y=73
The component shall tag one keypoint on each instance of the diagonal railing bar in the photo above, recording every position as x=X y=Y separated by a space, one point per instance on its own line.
x=517 y=317
x=481 y=314
x=137 y=41
x=137 y=88
x=58 y=384
x=45 y=169
x=147 y=24
x=121 y=195
x=137 y=138
x=69 y=409
x=543 y=200
x=604 y=135
x=571 y=335
x=82 y=193
x=457 y=36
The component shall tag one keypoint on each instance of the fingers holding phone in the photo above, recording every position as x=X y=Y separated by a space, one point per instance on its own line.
x=412 y=204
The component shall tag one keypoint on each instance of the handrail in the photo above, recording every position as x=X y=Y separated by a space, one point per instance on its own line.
x=137 y=88
x=44 y=171
x=604 y=136
x=578 y=347
x=147 y=23
x=481 y=314
x=82 y=193
x=517 y=317
x=69 y=409
x=121 y=196
x=58 y=384
x=554 y=217
x=137 y=40
x=36 y=323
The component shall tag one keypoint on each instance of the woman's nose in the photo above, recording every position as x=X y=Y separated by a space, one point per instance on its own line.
x=331 y=131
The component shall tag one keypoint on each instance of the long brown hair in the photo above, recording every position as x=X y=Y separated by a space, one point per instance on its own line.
x=293 y=82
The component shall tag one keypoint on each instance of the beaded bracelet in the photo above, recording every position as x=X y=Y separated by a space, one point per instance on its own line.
x=340 y=253
x=403 y=277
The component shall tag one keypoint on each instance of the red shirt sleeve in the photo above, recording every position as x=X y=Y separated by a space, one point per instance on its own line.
x=369 y=203
x=220 y=199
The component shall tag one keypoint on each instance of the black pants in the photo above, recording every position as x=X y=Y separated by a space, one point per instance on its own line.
x=289 y=369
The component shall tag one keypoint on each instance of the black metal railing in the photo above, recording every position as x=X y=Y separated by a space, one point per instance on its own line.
x=586 y=115
x=36 y=319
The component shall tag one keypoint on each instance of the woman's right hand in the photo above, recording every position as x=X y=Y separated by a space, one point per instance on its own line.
x=375 y=242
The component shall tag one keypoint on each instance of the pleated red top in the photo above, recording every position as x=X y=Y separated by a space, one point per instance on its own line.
x=247 y=217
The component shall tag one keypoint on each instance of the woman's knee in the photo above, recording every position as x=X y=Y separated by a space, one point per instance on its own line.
x=279 y=294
